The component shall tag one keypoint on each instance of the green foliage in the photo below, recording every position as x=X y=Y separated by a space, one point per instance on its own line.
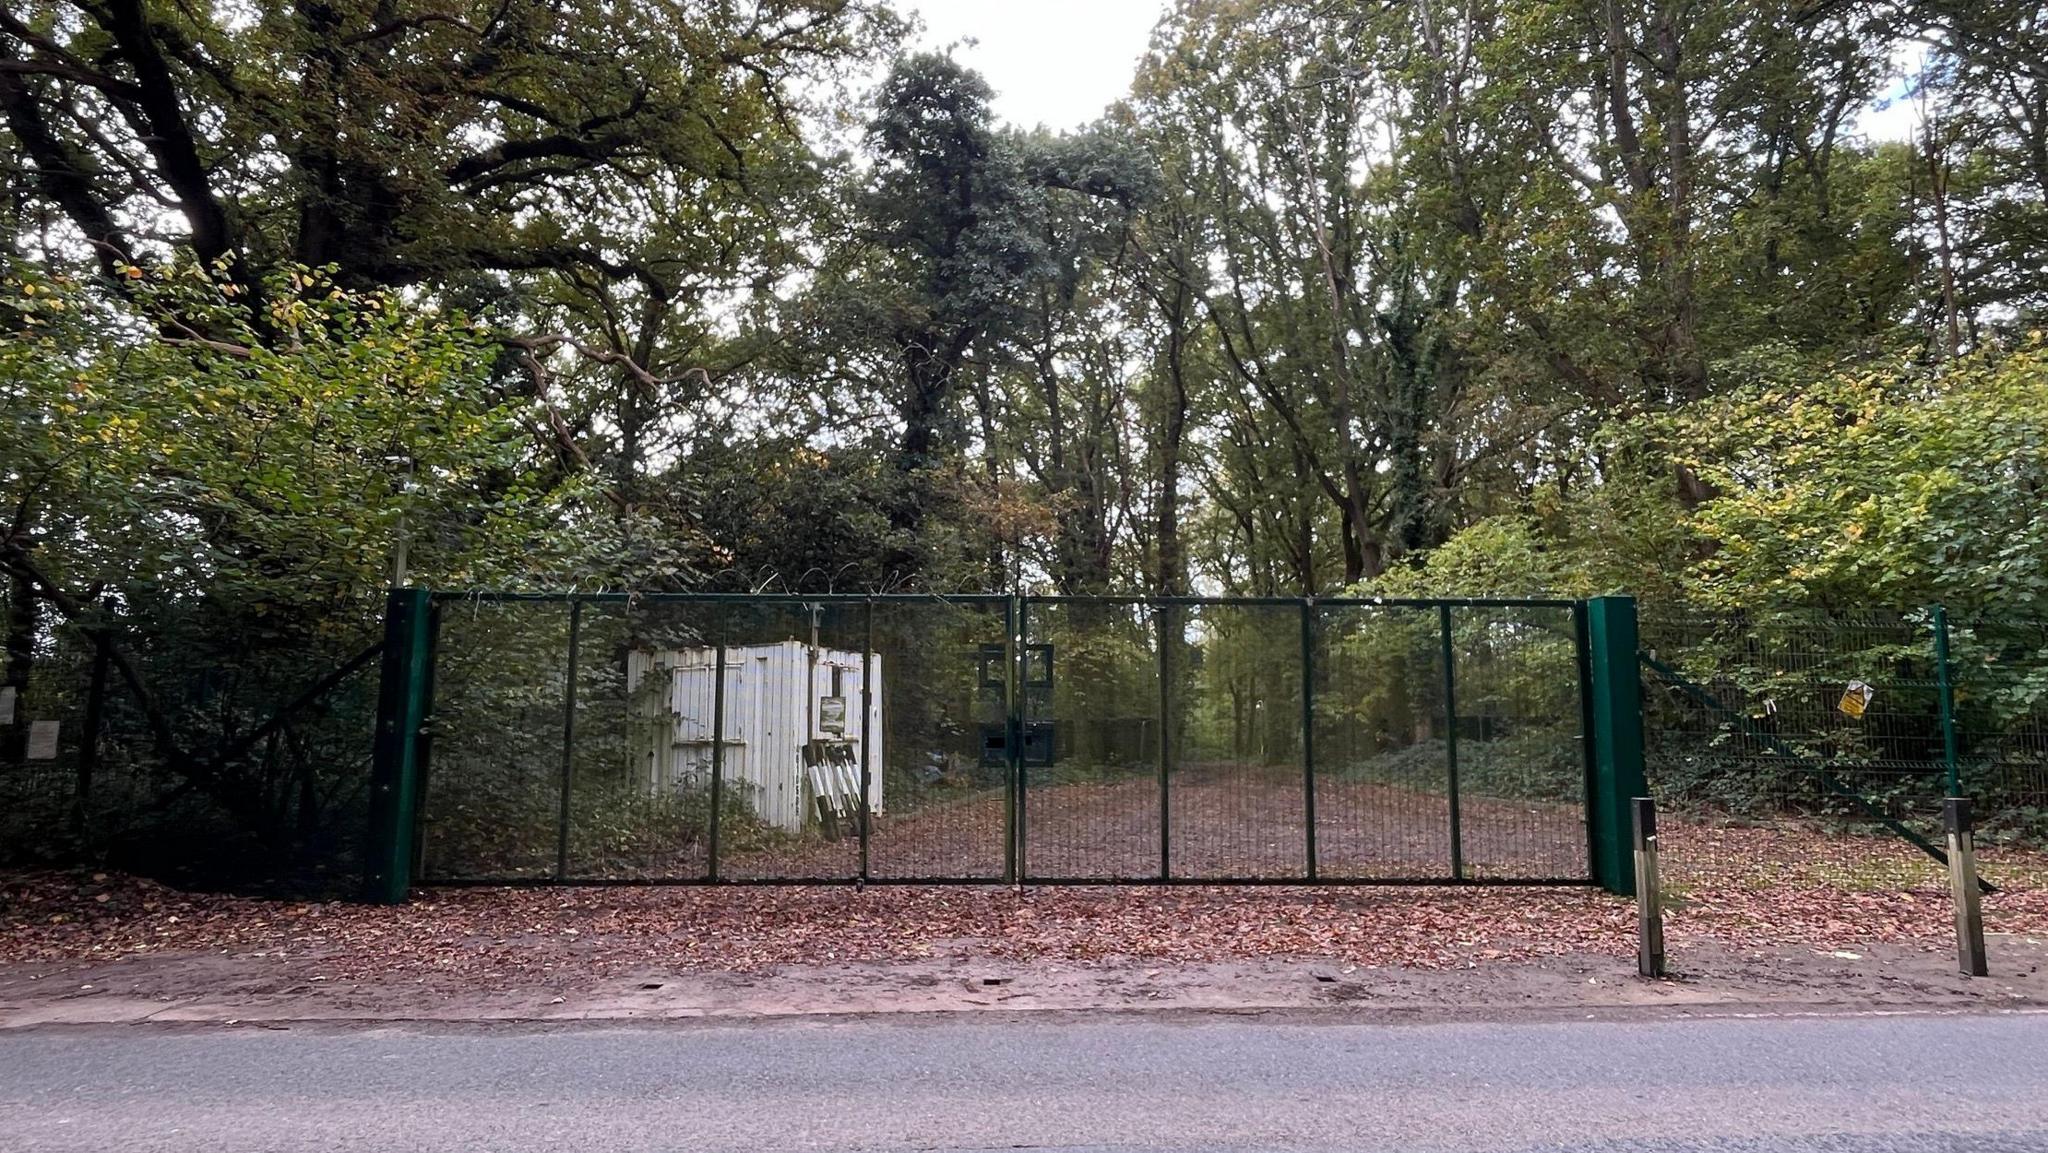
x=269 y=474
x=1408 y=300
x=1504 y=556
x=225 y=506
x=1879 y=485
x=764 y=508
x=408 y=141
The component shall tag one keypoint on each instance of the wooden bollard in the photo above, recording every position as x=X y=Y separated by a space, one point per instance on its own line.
x=1649 y=901
x=1962 y=883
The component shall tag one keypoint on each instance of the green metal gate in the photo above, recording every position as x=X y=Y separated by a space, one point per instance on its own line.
x=709 y=738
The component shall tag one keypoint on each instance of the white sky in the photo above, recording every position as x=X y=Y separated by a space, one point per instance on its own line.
x=1053 y=62
x=1895 y=115
x=1061 y=62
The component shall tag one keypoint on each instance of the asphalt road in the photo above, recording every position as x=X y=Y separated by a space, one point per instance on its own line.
x=1840 y=1085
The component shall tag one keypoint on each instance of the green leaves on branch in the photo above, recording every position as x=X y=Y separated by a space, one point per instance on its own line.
x=270 y=472
x=1886 y=485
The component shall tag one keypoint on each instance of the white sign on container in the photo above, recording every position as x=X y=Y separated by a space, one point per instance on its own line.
x=42 y=740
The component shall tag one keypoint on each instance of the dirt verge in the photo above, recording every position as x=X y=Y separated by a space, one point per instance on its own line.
x=258 y=991
x=83 y=948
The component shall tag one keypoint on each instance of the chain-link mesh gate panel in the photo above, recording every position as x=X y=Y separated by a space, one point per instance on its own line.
x=1091 y=805
x=640 y=795
x=1236 y=797
x=791 y=773
x=494 y=766
x=1519 y=738
x=1382 y=778
x=792 y=738
x=719 y=738
x=940 y=680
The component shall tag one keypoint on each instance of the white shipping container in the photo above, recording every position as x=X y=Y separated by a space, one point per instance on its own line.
x=770 y=716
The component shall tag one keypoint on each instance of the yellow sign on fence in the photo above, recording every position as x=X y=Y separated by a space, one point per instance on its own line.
x=1856 y=699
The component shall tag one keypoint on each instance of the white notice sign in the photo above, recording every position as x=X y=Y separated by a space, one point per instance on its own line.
x=42 y=740
x=6 y=704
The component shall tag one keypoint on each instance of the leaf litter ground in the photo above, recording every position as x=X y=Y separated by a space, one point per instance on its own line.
x=1730 y=888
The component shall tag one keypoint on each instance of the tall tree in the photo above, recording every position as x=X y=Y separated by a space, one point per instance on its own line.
x=968 y=256
x=1985 y=92
x=399 y=140
x=1334 y=281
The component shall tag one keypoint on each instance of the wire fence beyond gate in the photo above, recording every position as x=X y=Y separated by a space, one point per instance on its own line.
x=785 y=739
x=659 y=739
x=1761 y=723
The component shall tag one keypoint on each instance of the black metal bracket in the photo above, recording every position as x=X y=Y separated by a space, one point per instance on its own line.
x=1040 y=745
x=1037 y=666
x=990 y=672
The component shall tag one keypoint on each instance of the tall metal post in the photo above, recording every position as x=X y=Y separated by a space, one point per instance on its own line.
x=1167 y=625
x=1945 y=680
x=717 y=750
x=1308 y=729
x=568 y=741
x=1015 y=628
x=867 y=688
x=423 y=755
x=1582 y=643
x=1617 y=737
x=1451 y=739
x=394 y=779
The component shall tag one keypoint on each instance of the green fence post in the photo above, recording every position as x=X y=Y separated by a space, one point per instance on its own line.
x=717 y=752
x=1308 y=729
x=1169 y=624
x=1945 y=679
x=423 y=748
x=394 y=772
x=1451 y=740
x=568 y=742
x=1618 y=777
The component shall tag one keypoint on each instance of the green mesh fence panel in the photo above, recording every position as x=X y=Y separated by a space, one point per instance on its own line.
x=1092 y=805
x=1382 y=775
x=1236 y=786
x=940 y=680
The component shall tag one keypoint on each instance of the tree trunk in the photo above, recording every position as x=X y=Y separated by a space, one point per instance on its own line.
x=20 y=654
x=928 y=379
x=1937 y=175
x=1170 y=578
